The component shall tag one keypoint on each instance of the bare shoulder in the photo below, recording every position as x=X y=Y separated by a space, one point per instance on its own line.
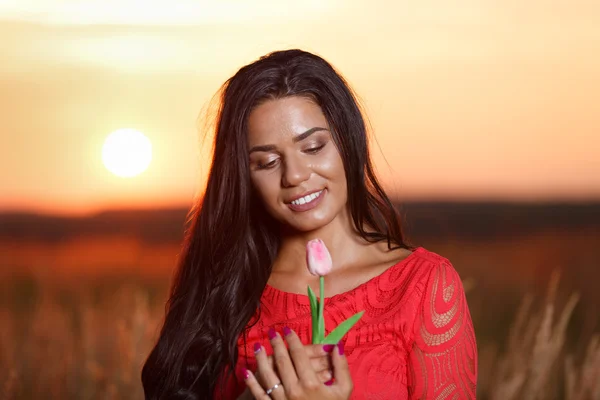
x=394 y=255
x=381 y=257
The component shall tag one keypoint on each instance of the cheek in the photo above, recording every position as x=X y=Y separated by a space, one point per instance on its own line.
x=332 y=167
x=266 y=187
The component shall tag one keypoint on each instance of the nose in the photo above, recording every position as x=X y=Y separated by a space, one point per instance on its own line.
x=295 y=171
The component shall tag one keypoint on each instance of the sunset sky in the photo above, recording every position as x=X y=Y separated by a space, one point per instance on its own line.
x=476 y=99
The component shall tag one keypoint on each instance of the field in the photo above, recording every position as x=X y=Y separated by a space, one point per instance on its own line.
x=80 y=306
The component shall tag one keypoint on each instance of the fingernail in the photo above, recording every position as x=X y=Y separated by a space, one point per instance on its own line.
x=256 y=347
x=329 y=382
x=245 y=373
x=286 y=331
x=341 y=348
x=272 y=333
x=328 y=347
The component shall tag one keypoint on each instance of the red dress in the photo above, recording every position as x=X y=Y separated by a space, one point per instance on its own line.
x=414 y=341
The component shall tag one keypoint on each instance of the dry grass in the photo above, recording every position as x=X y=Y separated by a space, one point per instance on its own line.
x=535 y=363
x=82 y=343
x=78 y=348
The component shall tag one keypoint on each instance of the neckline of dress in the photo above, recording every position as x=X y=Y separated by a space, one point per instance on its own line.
x=419 y=249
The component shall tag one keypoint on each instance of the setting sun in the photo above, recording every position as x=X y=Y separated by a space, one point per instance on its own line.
x=126 y=153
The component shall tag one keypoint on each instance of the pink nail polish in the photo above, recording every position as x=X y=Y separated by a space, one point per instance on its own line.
x=256 y=347
x=245 y=373
x=286 y=331
x=341 y=348
x=272 y=333
x=329 y=382
x=328 y=347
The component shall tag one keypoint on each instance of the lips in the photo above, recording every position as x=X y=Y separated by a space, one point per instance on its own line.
x=311 y=204
x=303 y=195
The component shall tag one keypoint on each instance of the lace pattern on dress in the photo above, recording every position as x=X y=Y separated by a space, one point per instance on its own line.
x=444 y=354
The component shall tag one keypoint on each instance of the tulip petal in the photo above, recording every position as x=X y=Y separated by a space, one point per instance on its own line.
x=318 y=258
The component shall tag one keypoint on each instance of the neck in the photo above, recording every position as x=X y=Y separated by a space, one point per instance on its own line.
x=342 y=241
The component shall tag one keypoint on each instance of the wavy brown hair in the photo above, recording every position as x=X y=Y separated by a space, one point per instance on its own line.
x=231 y=241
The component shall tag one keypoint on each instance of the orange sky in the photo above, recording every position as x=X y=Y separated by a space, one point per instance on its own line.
x=485 y=99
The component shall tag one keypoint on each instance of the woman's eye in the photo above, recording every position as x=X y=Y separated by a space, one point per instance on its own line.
x=314 y=150
x=267 y=165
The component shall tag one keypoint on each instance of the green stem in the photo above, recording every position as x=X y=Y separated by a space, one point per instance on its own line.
x=321 y=306
x=314 y=312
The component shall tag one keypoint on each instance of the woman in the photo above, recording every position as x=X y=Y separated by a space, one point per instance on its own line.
x=291 y=164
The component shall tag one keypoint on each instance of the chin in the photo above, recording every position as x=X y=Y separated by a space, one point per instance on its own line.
x=304 y=228
x=309 y=223
x=306 y=221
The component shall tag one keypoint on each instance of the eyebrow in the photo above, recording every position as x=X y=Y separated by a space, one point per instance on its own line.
x=296 y=139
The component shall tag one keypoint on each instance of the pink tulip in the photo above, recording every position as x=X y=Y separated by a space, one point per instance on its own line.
x=318 y=258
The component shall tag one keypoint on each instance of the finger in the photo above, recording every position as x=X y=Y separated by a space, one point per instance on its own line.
x=283 y=362
x=319 y=356
x=324 y=376
x=258 y=348
x=318 y=350
x=341 y=371
x=302 y=363
x=321 y=364
x=268 y=377
x=271 y=362
x=255 y=388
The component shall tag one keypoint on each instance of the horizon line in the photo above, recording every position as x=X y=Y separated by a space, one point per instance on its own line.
x=425 y=200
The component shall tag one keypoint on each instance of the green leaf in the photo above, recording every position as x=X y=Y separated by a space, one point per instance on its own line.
x=338 y=333
x=314 y=312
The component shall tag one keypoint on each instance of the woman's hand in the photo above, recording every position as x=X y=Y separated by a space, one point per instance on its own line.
x=319 y=359
x=297 y=378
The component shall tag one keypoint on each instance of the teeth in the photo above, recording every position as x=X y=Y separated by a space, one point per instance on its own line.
x=307 y=199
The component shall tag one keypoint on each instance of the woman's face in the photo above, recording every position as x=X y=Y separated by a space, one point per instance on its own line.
x=295 y=166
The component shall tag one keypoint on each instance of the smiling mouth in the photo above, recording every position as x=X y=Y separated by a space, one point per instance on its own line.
x=307 y=199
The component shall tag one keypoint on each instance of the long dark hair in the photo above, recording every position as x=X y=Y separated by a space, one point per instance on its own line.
x=231 y=242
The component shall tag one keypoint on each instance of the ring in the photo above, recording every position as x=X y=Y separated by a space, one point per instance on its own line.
x=274 y=387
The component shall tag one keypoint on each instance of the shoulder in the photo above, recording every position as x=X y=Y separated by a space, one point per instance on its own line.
x=425 y=267
x=406 y=283
x=432 y=277
x=429 y=266
x=409 y=278
x=439 y=301
x=430 y=258
x=439 y=283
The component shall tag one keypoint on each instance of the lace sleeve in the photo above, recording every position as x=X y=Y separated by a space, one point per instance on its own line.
x=443 y=358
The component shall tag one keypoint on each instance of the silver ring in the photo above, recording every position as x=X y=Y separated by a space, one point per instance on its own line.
x=274 y=387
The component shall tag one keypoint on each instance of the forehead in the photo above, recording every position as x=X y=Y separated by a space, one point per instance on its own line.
x=283 y=118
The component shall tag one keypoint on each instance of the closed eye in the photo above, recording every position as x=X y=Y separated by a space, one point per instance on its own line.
x=314 y=150
x=268 y=165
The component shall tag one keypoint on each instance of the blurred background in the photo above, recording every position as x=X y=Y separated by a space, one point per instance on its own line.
x=485 y=118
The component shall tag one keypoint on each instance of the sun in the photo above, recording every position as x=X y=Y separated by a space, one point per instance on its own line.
x=126 y=153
